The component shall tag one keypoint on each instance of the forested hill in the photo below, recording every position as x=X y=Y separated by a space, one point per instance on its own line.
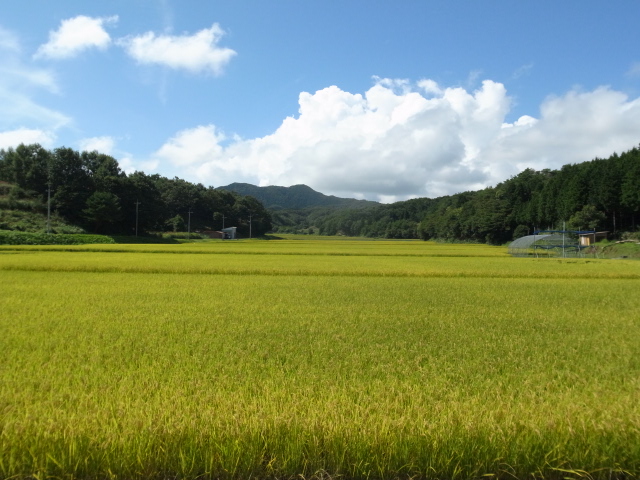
x=89 y=189
x=294 y=197
x=603 y=194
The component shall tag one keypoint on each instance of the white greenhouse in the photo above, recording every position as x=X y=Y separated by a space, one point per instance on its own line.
x=549 y=243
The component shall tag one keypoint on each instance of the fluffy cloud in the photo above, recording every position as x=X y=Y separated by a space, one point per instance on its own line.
x=75 y=35
x=13 y=138
x=396 y=141
x=196 y=53
x=101 y=144
x=573 y=128
x=195 y=146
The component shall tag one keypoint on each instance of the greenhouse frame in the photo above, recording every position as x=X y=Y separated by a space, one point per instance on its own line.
x=550 y=243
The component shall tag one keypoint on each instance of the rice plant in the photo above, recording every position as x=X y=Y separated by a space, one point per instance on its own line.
x=263 y=363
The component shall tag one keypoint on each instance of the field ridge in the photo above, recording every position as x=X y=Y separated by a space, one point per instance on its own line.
x=316 y=273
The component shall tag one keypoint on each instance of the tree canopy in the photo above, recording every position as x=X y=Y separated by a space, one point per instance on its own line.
x=90 y=189
x=601 y=193
x=609 y=190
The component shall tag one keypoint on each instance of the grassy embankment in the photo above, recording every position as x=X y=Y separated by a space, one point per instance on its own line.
x=620 y=250
x=278 y=359
x=23 y=212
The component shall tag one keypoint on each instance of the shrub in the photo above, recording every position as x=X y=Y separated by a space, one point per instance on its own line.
x=23 y=238
x=520 y=231
x=631 y=236
x=184 y=235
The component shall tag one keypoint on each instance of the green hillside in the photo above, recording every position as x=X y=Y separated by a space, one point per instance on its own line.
x=601 y=194
x=90 y=191
x=24 y=212
x=294 y=197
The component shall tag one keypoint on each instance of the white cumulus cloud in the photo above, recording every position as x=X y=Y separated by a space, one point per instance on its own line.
x=194 y=146
x=76 y=35
x=572 y=128
x=196 y=53
x=13 y=138
x=101 y=144
x=399 y=141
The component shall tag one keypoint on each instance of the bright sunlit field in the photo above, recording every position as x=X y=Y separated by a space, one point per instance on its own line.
x=316 y=358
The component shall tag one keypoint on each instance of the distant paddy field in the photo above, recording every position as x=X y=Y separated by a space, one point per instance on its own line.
x=316 y=358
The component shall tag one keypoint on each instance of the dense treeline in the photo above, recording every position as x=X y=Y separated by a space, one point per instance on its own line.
x=90 y=189
x=602 y=194
x=397 y=220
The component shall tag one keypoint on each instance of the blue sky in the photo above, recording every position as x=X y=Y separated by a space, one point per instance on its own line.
x=367 y=99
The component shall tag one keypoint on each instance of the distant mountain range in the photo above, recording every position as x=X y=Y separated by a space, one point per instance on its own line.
x=294 y=197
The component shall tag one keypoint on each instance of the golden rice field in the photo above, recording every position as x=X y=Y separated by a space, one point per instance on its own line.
x=310 y=358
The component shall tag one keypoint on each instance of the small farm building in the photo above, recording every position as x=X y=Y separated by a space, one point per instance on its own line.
x=224 y=234
x=229 y=233
x=587 y=239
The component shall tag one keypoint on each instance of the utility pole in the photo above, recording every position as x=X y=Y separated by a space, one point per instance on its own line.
x=250 y=216
x=137 y=204
x=49 y=176
x=189 y=226
x=49 y=209
x=223 y=221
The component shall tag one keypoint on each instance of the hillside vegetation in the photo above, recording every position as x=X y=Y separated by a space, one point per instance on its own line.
x=601 y=194
x=92 y=193
x=23 y=212
x=294 y=197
